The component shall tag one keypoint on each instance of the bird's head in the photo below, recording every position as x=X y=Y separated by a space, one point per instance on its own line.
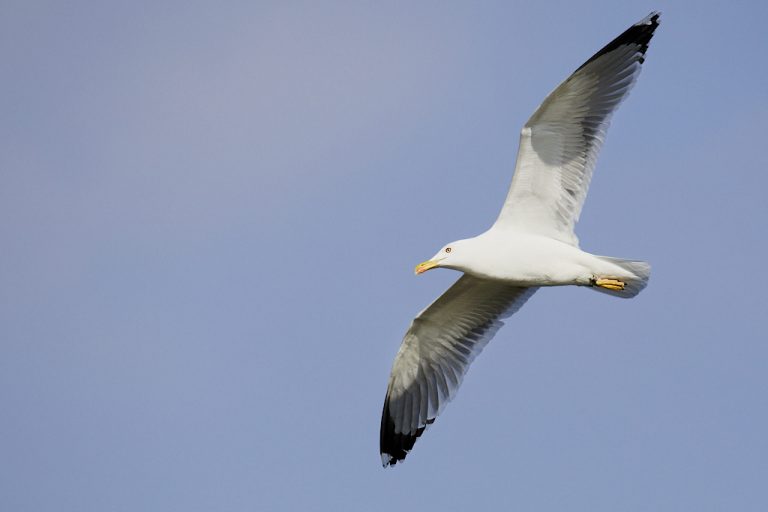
x=450 y=256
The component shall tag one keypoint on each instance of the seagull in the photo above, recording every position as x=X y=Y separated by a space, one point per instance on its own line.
x=531 y=244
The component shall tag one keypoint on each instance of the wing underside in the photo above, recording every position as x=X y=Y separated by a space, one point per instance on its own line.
x=436 y=352
x=560 y=143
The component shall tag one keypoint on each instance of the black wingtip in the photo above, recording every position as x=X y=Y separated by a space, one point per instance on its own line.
x=639 y=34
x=394 y=446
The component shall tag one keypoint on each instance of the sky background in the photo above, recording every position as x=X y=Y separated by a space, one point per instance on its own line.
x=209 y=218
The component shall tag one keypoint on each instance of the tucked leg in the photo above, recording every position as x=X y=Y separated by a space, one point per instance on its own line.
x=610 y=284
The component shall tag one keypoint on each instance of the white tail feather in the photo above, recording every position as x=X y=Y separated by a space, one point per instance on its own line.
x=640 y=272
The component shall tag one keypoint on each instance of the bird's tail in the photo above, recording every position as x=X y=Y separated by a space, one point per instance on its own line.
x=635 y=277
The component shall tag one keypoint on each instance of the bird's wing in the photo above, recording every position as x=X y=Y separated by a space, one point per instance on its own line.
x=560 y=142
x=435 y=354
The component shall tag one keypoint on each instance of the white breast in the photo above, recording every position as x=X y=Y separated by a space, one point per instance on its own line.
x=529 y=260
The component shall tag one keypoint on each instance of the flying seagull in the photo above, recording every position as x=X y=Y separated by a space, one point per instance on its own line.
x=531 y=244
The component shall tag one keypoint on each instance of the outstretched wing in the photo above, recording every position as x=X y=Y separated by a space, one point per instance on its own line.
x=560 y=142
x=435 y=354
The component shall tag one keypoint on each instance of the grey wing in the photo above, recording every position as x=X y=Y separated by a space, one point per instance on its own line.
x=435 y=354
x=560 y=142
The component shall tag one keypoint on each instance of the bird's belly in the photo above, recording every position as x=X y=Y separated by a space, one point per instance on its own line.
x=538 y=263
x=537 y=274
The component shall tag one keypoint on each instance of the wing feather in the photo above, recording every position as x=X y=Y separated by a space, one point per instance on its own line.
x=436 y=352
x=560 y=143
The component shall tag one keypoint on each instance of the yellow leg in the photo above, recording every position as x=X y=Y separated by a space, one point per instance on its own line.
x=611 y=284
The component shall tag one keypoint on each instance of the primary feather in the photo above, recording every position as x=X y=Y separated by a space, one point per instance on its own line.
x=560 y=142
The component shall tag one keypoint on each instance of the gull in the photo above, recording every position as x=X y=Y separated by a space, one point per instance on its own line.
x=531 y=244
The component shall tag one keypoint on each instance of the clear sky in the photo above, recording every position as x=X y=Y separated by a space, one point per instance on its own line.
x=209 y=218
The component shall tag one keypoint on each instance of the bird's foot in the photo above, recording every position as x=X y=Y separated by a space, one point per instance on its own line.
x=610 y=284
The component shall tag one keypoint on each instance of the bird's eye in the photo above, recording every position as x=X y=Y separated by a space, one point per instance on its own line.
x=447 y=249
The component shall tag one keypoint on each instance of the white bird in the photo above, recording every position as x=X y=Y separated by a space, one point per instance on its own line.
x=531 y=244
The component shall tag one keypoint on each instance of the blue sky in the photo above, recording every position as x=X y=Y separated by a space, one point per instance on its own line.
x=210 y=213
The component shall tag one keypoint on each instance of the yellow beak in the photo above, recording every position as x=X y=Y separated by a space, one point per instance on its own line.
x=423 y=267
